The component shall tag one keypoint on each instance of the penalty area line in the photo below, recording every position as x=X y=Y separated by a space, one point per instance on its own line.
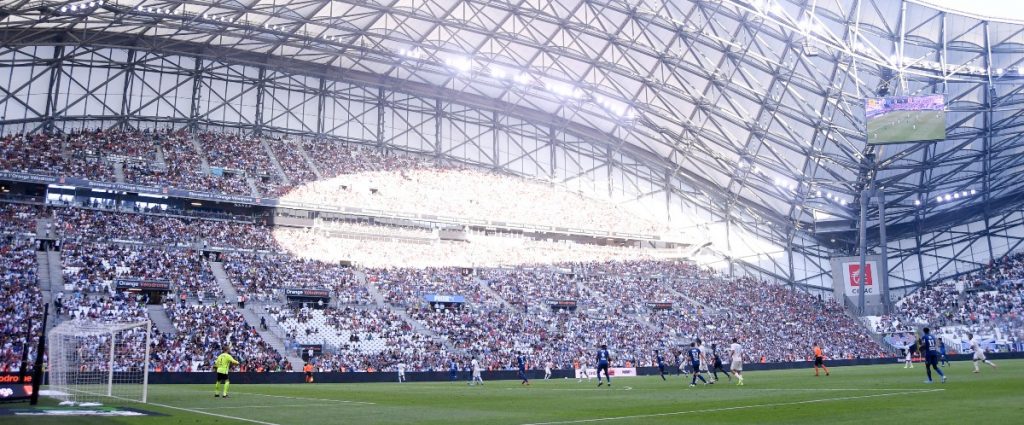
x=213 y=414
x=725 y=409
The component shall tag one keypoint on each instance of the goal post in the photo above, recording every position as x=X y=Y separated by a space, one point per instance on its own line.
x=93 y=361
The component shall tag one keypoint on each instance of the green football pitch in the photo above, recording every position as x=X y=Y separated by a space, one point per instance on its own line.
x=851 y=395
x=906 y=126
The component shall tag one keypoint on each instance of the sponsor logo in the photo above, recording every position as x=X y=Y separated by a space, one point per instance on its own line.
x=855 y=275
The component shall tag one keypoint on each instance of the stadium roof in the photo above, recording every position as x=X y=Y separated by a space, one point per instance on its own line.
x=757 y=102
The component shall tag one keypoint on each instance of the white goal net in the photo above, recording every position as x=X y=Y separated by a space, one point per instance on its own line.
x=91 y=362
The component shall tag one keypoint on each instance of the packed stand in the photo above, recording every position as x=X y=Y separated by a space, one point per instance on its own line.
x=55 y=155
x=788 y=321
x=95 y=267
x=20 y=300
x=988 y=303
x=86 y=225
x=477 y=251
x=263 y=276
x=294 y=164
x=475 y=195
x=360 y=338
x=201 y=333
x=244 y=154
x=118 y=307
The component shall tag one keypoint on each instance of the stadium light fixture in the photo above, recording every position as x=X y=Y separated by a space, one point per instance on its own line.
x=938 y=198
x=973 y=191
x=498 y=72
x=414 y=53
x=459 y=63
x=956 y=195
x=564 y=90
x=917 y=202
x=947 y=197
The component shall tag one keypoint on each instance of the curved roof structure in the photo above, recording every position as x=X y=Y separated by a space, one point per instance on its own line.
x=758 y=104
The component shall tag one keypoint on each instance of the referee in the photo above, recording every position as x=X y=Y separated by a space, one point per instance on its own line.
x=223 y=365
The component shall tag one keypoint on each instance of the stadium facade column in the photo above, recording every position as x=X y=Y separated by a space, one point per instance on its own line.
x=381 y=103
x=261 y=89
x=197 y=96
x=862 y=226
x=883 y=243
x=53 y=86
x=126 y=87
x=321 y=103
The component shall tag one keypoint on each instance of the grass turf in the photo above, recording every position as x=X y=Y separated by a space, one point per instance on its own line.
x=854 y=395
x=898 y=126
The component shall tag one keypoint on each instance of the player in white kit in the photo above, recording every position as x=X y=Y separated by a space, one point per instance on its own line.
x=705 y=359
x=979 y=354
x=908 y=361
x=476 y=373
x=401 y=372
x=547 y=369
x=581 y=364
x=736 y=368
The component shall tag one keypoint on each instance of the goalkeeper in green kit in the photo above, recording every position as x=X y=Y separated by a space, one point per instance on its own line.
x=223 y=365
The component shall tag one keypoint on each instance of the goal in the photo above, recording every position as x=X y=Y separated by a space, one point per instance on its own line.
x=92 y=362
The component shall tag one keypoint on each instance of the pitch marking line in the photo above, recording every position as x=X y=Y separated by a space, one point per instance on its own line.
x=307 y=398
x=708 y=386
x=258 y=407
x=295 y=398
x=213 y=414
x=725 y=409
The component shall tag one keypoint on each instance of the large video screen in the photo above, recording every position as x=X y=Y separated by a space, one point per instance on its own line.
x=905 y=119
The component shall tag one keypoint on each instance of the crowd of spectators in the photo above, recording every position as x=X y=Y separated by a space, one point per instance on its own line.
x=19 y=219
x=51 y=154
x=86 y=225
x=777 y=323
x=354 y=176
x=988 y=303
x=478 y=250
x=264 y=276
x=202 y=331
x=295 y=166
x=407 y=286
x=117 y=307
x=474 y=195
x=361 y=338
x=94 y=267
x=20 y=300
x=335 y=159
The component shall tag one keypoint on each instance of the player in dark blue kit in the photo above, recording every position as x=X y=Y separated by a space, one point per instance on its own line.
x=694 y=355
x=521 y=361
x=603 y=360
x=930 y=348
x=453 y=370
x=716 y=366
x=660 y=360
